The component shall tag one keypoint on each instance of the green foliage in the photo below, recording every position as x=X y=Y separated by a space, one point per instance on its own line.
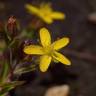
x=4 y=72
x=6 y=87
x=11 y=39
x=23 y=70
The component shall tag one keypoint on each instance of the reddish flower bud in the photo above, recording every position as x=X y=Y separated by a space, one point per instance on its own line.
x=12 y=27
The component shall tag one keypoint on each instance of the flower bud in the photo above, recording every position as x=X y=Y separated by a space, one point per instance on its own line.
x=12 y=27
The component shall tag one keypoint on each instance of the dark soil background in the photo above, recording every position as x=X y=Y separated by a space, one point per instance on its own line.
x=81 y=76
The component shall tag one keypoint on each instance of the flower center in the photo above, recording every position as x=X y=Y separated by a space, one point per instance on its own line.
x=46 y=12
x=48 y=50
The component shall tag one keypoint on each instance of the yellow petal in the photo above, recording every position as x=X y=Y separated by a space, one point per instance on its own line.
x=33 y=49
x=32 y=9
x=60 y=43
x=45 y=61
x=45 y=37
x=58 y=15
x=61 y=58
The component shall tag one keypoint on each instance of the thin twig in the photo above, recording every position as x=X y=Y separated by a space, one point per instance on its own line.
x=10 y=63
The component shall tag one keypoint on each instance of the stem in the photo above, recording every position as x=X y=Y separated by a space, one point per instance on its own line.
x=10 y=63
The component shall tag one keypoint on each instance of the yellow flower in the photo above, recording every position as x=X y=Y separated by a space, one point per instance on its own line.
x=45 y=12
x=48 y=51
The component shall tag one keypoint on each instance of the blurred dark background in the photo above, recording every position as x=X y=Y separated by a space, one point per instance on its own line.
x=81 y=75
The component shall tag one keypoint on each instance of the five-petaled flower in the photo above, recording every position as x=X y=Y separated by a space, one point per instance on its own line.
x=48 y=51
x=45 y=12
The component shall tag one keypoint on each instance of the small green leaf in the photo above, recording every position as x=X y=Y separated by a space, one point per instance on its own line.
x=5 y=90
x=11 y=84
x=6 y=87
x=25 y=69
x=4 y=72
x=28 y=34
